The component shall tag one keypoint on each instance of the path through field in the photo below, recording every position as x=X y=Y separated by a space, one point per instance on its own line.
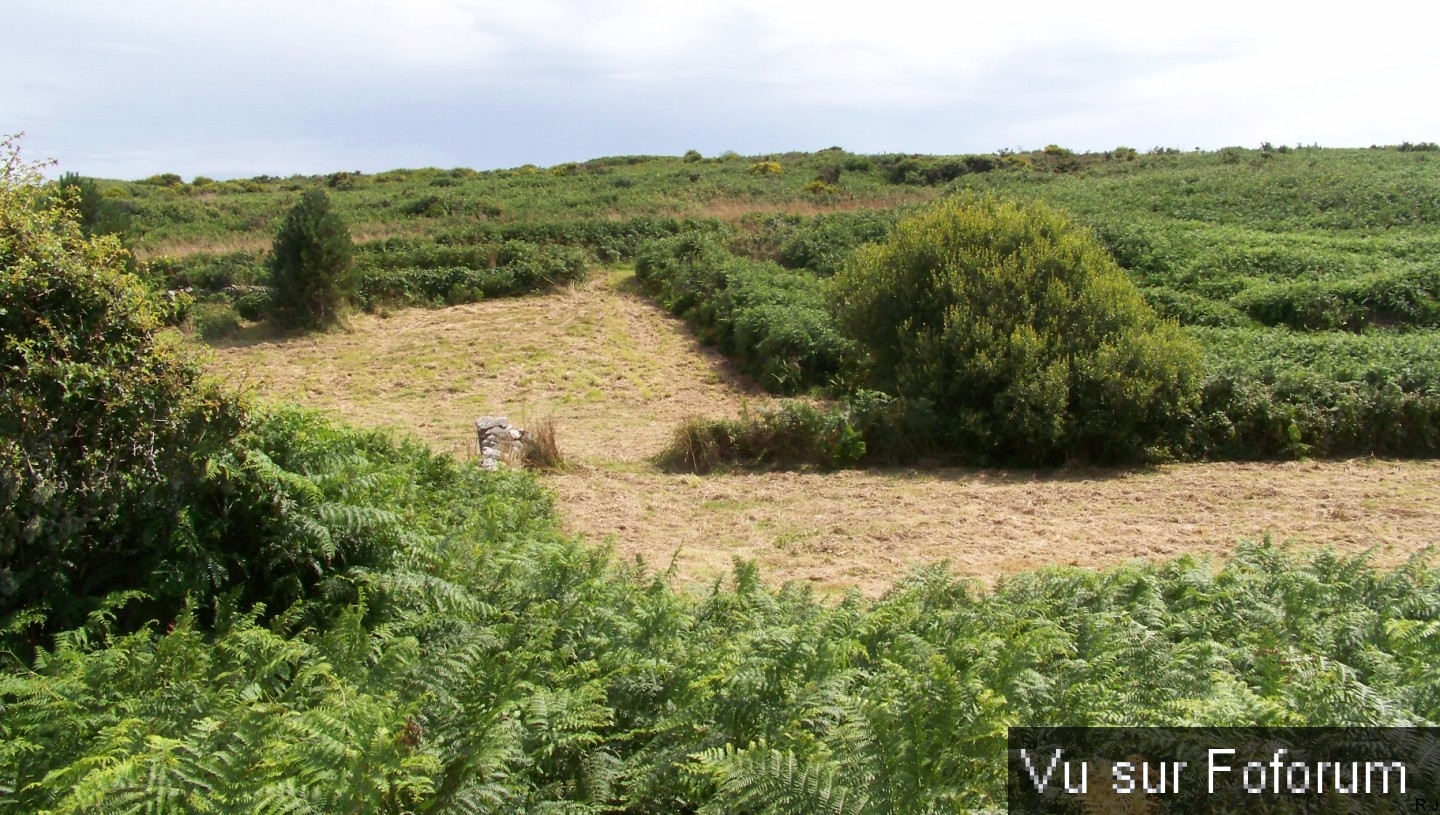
x=617 y=375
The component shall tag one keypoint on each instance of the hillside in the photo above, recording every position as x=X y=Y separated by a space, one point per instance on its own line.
x=212 y=600
x=1253 y=250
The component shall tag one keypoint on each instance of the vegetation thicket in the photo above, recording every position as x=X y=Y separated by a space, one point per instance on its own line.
x=96 y=214
x=261 y=611
x=104 y=427
x=310 y=265
x=772 y=320
x=1020 y=333
x=1264 y=258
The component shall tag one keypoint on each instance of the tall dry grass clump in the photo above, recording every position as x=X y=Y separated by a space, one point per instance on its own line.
x=541 y=449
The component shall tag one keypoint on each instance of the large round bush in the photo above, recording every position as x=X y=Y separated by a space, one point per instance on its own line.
x=1029 y=343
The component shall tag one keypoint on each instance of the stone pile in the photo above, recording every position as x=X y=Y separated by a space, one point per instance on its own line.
x=500 y=441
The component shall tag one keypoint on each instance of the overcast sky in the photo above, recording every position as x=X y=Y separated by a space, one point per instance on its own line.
x=130 y=88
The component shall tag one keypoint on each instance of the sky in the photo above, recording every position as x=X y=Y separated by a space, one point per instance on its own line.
x=131 y=88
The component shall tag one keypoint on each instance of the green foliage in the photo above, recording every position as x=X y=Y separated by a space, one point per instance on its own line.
x=96 y=214
x=933 y=170
x=866 y=427
x=397 y=273
x=214 y=321
x=310 y=264
x=105 y=427
x=374 y=628
x=773 y=320
x=606 y=239
x=1029 y=342
x=794 y=435
x=822 y=244
x=1275 y=393
x=501 y=666
x=207 y=272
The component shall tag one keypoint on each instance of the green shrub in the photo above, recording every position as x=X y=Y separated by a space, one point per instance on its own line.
x=97 y=214
x=214 y=321
x=1273 y=393
x=1410 y=298
x=411 y=275
x=252 y=303
x=822 y=244
x=794 y=435
x=430 y=206
x=171 y=180
x=310 y=264
x=772 y=320
x=105 y=428
x=1028 y=340
x=207 y=272
x=1189 y=308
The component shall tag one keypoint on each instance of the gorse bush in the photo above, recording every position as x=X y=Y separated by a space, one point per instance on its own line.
x=773 y=320
x=96 y=214
x=418 y=275
x=1028 y=340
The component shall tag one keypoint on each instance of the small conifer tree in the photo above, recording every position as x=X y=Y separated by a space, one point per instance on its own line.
x=310 y=264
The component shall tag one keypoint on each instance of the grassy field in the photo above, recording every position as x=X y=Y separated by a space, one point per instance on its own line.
x=618 y=375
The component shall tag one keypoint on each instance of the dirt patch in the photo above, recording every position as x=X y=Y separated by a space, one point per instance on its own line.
x=617 y=375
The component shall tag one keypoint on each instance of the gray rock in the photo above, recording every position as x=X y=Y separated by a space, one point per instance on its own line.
x=485 y=423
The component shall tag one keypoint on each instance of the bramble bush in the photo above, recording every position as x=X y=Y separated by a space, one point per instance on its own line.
x=1271 y=393
x=791 y=436
x=105 y=427
x=1030 y=343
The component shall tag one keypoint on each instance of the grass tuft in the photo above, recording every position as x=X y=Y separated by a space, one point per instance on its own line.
x=541 y=449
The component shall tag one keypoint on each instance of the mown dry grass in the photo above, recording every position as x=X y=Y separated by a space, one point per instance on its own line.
x=617 y=375
x=614 y=373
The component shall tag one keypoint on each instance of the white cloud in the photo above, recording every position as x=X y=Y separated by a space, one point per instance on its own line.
x=318 y=84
